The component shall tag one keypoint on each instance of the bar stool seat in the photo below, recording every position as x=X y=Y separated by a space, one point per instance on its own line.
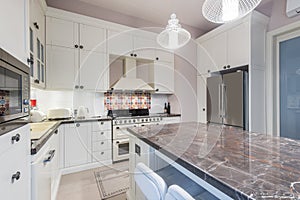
x=177 y=193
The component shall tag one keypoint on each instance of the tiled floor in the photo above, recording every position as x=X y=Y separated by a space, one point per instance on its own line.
x=82 y=186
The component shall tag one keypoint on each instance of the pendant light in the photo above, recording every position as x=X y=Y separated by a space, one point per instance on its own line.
x=173 y=36
x=222 y=11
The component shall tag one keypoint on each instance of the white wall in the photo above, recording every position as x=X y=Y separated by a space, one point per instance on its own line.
x=47 y=99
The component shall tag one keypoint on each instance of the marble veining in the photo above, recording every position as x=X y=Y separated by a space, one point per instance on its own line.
x=252 y=165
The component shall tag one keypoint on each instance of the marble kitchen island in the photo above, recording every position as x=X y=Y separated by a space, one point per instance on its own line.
x=242 y=165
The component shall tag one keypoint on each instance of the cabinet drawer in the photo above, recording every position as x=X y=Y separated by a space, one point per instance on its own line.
x=14 y=139
x=101 y=145
x=101 y=135
x=100 y=126
x=102 y=156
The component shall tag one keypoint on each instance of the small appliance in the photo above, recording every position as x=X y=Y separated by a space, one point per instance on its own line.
x=59 y=113
x=37 y=116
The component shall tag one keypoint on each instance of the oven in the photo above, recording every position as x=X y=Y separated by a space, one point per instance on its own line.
x=14 y=88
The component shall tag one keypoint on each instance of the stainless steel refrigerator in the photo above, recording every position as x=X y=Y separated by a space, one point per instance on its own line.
x=227 y=99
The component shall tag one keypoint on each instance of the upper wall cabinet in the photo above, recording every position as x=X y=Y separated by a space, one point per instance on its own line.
x=37 y=44
x=77 y=50
x=224 y=49
x=120 y=43
x=14 y=28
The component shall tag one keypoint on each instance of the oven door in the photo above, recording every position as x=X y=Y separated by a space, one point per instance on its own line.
x=120 y=149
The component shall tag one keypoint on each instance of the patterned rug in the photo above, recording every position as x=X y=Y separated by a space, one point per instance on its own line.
x=112 y=181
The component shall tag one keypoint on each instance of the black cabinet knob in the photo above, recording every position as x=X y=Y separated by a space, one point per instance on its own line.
x=102 y=133
x=102 y=153
x=30 y=61
x=15 y=138
x=81 y=87
x=76 y=86
x=81 y=47
x=117 y=142
x=224 y=67
x=102 y=143
x=157 y=58
x=37 y=81
x=203 y=109
x=15 y=176
x=228 y=66
x=131 y=54
x=208 y=71
x=36 y=25
x=77 y=125
x=76 y=46
x=157 y=90
x=135 y=55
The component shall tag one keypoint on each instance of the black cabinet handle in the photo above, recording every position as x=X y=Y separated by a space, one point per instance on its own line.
x=131 y=54
x=102 y=153
x=157 y=58
x=15 y=138
x=224 y=67
x=135 y=55
x=228 y=66
x=36 y=25
x=30 y=61
x=203 y=109
x=81 y=47
x=102 y=143
x=50 y=156
x=76 y=46
x=157 y=90
x=37 y=81
x=117 y=127
x=81 y=87
x=117 y=142
x=76 y=86
x=208 y=71
x=56 y=132
x=102 y=133
x=77 y=125
x=15 y=176
x=102 y=123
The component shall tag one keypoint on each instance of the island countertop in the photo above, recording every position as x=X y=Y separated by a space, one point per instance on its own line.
x=242 y=165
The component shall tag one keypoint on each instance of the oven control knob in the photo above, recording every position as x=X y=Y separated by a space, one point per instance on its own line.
x=129 y=121
x=25 y=102
x=125 y=121
x=142 y=120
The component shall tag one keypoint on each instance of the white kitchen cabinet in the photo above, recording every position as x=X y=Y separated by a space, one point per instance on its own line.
x=92 y=38
x=120 y=42
x=81 y=56
x=101 y=142
x=15 y=159
x=77 y=144
x=164 y=55
x=61 y=32
x=62 y=67
x=14 y=33
x=162 y=77
x=238 y=45
x=201 y=98
x=144 y=48
x=37 y=44
x=94 y=71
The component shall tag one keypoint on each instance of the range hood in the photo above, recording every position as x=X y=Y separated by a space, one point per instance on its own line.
x=129 y=81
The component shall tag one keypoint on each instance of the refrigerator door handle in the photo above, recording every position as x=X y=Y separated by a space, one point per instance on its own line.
x=224 y=101
x=220 y=100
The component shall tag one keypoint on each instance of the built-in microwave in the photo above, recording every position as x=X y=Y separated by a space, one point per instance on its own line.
x=14 y=88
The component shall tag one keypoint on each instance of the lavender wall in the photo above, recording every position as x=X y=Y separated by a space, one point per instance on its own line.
x=278 y=15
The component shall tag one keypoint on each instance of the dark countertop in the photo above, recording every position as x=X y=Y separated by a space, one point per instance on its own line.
x=12 y=125
x=36 y=145
x=242 y=165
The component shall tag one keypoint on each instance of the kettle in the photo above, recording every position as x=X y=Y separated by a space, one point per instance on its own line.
x=82 y=112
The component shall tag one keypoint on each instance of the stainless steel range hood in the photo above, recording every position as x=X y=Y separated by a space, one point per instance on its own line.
x=129 y=81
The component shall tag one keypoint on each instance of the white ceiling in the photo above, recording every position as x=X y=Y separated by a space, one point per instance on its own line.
x=155 y=11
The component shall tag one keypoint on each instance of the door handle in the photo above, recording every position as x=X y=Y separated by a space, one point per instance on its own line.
x=224 y=100
x=220 y=100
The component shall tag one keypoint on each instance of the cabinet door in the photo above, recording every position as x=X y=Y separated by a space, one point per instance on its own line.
x=94 y=71
x=37 y=19
x=61 y=32
x=77 y=144
x=238 y=47
x=204 y=60
x=144 y=47
x=93 y=38
x=164 y=55
x=216 y=52
x=16 y=159
x=61 y=67
x=14 y=28
x=120 y=43
x=163 y=77
x=201 y=98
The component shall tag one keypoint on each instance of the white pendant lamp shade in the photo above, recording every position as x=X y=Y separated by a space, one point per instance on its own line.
x=173 y=37
x=222 y=11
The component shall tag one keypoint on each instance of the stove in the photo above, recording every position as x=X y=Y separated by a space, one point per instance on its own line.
x=123 y=119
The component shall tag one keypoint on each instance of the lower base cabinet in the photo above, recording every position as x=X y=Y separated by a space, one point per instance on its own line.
x=15 y=165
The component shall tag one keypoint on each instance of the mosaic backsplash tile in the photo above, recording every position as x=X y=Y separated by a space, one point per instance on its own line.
x=117 y=101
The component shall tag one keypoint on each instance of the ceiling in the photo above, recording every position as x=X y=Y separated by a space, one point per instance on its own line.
x=155 y=12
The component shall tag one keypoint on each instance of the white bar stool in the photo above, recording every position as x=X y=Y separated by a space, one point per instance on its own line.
x=177 y=193
x=151 y=184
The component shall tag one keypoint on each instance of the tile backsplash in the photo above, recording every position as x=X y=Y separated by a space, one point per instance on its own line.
x=123 y=100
